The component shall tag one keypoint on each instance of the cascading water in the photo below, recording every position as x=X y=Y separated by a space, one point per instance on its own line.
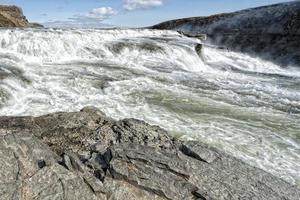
x=246 y=106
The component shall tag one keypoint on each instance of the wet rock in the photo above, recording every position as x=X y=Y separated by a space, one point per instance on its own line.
x=87 y=155
x=198 y=49
x=270 y=32
x=194 y=35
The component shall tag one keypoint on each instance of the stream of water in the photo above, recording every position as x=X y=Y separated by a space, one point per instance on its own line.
x=243 y=105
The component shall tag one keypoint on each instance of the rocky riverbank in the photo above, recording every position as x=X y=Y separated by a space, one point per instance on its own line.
x=87 y=155
x=271 y=32
x=12 y=16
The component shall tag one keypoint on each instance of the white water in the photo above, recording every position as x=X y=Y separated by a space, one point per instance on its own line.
x=243 y=105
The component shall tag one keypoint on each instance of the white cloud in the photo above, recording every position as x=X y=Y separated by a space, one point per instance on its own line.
x=142 y=4
x=95 y=15
x=76 y=24
x=101 y=13
x=90 y=19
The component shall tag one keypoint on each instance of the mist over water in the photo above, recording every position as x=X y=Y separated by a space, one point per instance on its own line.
x=246 y=106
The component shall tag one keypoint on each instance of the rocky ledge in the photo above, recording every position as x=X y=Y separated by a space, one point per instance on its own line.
x=87 y=155
x=12 y=16
x=271 y=32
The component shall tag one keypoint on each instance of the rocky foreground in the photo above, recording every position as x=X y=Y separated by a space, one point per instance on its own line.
x=87 y=155
x=12 y=16
x=271 y=32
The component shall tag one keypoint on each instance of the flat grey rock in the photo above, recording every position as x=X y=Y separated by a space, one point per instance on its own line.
x=87 y=155
x=22 y=176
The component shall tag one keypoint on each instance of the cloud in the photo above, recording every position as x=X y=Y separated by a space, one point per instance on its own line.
x=94 y=16
x=101 y=13
x=97 y=14
x=142 y=4
x=88 y=20
x=76 y=24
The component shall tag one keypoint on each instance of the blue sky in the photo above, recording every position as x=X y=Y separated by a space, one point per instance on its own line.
x=130 y=13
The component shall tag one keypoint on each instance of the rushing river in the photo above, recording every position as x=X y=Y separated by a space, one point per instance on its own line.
x=246 y=106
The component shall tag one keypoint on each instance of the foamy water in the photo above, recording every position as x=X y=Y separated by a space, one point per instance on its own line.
x=246 y=106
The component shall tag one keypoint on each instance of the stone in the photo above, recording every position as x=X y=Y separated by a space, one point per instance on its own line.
x=41 y=163
x=198 y=49
x=269 y=32
x=87 y=155
x=30 y=170
x=120 y=189
x=199 y=151
x=159 y=171
x=12 y=16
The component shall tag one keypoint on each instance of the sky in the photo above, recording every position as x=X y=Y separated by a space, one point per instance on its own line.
x=125 y=13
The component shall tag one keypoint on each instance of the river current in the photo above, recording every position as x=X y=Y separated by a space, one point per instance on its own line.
x=246 y=106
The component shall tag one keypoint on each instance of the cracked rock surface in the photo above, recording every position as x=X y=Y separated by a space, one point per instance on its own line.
x=87 y=155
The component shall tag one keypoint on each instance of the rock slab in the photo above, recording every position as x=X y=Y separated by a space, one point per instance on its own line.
x=87 y=155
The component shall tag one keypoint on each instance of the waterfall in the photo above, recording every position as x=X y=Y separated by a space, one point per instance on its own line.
x=244 y=105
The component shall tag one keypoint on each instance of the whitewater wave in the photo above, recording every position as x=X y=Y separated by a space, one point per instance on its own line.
x=244 y=105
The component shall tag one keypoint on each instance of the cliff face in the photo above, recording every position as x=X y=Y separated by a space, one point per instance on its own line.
x=12 y=16
x=273 y=32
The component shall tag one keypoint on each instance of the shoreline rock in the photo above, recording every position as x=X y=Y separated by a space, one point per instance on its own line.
x=12 y=16
x=270 y=32
x=87 y=155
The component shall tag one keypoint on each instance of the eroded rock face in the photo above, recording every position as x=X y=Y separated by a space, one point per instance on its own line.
x=30 y=170
x=87 y=155
x=271 y=32
x=12 y=16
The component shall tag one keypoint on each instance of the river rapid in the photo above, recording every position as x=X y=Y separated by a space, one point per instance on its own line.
x=246 y=106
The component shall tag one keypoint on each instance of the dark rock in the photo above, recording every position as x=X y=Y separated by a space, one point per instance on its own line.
x=41 y=163
x=193 y=35
x=271 y=32
x=87 y=155
x=198 y=49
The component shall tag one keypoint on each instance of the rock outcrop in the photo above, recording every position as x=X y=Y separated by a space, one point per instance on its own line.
x=12 y=16
x=87 y=155
x=272 y=32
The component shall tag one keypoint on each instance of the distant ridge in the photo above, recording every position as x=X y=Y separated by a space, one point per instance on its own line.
x=12 y=16
x=273 y=32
